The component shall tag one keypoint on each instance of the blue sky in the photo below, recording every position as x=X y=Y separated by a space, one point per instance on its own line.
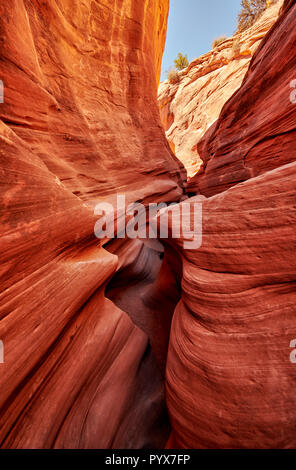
x=193 y=24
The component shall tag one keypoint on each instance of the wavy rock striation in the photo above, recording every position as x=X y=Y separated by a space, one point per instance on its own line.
x=255 y=131
x=79 y=124
x=230 y=381
x=85 y=324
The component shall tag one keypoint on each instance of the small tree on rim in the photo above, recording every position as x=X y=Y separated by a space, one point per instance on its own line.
x=181 y=62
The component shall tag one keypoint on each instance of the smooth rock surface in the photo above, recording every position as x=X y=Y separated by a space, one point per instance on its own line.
x=230 y=380
x=79 y=124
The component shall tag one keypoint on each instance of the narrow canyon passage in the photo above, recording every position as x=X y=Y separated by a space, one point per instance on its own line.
x=119 y=343
x=148 y=289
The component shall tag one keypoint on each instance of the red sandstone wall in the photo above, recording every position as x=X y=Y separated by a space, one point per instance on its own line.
x=255 y=131
x=230 y=381
x=79 y=122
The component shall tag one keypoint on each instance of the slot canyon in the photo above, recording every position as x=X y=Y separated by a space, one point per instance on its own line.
x=121 y=343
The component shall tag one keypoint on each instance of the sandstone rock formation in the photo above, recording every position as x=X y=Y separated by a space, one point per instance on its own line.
x=255 y=131
x=79 y=124
x=85 y=323
x=191 y=106
x=230 y=381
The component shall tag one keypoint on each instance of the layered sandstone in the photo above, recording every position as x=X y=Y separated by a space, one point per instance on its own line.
x=85 y=324
x=190 y=107
x=230 y=381
x=79 y=124
x=255 y=131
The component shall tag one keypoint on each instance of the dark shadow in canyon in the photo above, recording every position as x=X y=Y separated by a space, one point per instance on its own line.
x=147 y=287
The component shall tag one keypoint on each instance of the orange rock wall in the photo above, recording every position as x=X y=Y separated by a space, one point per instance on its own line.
x=80 y=80
x=255 y=131
x=230 y=380
x=79 y=123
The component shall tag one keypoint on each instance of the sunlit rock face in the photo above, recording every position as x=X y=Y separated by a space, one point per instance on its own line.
x=79 y=123
x=190 y=107
x=230 y=380
x=80 y=87
x=255 y=131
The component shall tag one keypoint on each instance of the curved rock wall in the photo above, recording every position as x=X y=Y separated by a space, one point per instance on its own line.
x=79 y=123
x=230 y=381
x=80 y=89
x=255 y=131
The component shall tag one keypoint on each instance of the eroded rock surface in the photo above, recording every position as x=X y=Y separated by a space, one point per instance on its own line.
x=190 y=107
x=79 y=124
x=83 y=352
x=255 y=131
x=230 y=381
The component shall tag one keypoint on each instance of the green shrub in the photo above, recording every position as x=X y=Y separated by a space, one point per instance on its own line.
x=250 y=12
x=181 y=62
x=173 y=76
x=218 y=41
